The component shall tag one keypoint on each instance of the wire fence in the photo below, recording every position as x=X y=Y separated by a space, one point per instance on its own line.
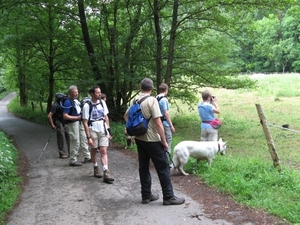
x=283 y=128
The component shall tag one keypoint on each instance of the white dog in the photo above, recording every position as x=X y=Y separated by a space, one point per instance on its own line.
x=203 y=150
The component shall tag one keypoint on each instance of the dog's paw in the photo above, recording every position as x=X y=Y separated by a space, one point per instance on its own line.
x=184 y=173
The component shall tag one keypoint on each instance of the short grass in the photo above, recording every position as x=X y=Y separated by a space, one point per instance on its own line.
x=246 y=172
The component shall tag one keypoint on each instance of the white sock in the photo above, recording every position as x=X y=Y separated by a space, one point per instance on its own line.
x=95 y=164
x=105 y=167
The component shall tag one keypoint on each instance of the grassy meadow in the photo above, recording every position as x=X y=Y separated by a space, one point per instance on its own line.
x=279 y=97
x=246 y=172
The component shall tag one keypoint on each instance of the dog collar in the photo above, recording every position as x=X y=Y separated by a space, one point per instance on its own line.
x=219 y=147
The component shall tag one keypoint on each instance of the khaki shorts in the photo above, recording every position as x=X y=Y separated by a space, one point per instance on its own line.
x=99 y=139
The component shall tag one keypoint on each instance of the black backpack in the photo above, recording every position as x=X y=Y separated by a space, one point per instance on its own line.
x=58 y=114
x=60 y=99
x=59 y=105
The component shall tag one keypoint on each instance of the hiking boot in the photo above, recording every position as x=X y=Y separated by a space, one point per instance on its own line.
x=150 y=198
x=107 y=178
x=87 y=160
x=63 y=156
x=97 y=172
x=174 y=201
x=75 y=164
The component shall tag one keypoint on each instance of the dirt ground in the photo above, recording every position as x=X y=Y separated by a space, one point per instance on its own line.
x=219 y=205
x=215 y=204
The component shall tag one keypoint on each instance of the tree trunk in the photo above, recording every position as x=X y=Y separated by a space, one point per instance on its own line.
x=172 y=43
x=158 y=57
x=22 y=86
x=89 y=46
x=128 y=70
x=51 y=61
x=21 y=76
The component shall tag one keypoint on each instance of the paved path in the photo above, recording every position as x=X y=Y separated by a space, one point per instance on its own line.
x=57 y=194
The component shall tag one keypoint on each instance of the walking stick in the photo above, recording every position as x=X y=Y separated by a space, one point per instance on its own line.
x=45 y=146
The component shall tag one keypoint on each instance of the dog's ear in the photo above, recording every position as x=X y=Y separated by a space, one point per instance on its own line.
x=220 y=140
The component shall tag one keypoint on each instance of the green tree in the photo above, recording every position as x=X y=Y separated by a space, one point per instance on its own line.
x=276 y=42
x=187 y=44
x=52 y=52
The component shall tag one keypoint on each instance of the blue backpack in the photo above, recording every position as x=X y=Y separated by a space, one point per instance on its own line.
x=137 y=124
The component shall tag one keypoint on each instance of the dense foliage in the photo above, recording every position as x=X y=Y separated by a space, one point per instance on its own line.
x=117 y=43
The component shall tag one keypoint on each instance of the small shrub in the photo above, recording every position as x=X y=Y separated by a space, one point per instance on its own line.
x=26 y=112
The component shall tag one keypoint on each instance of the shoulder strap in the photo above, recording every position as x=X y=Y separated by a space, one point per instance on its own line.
x=91 y=104
x=142 y=99
x=160 y=106
x=61 y=103
x=101 y=103
x=90 y=107
x=159 y=98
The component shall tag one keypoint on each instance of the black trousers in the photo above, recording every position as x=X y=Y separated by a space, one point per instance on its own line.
x=157 y=154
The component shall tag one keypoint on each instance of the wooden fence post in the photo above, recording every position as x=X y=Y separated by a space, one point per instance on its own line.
x=270 y=141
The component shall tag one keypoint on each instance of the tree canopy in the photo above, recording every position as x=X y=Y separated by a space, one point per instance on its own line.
x=186 y=44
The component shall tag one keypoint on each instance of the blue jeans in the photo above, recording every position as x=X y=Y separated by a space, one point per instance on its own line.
x=157 y=154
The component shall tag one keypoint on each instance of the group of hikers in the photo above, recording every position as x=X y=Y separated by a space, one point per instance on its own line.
x=84 y=126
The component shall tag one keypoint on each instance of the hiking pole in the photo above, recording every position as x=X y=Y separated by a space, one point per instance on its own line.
x=45 y=146
x=171 y=160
